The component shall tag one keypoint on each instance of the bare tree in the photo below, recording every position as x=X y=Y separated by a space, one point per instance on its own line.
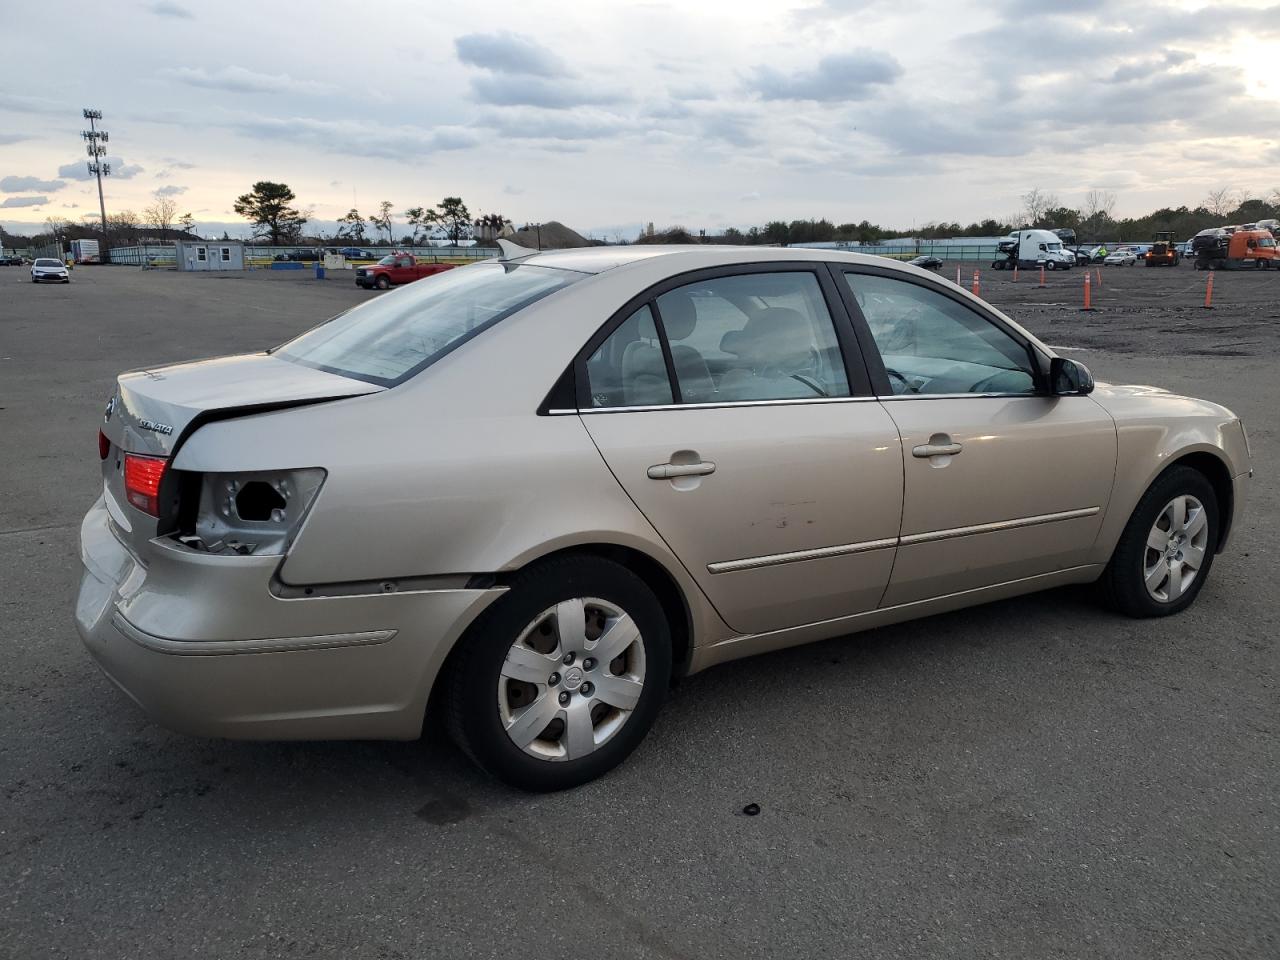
x=1221 y=201
x=122 y=225
x=1036 y=203
x=1099 y=205
x=160 y=214
x=188 y=223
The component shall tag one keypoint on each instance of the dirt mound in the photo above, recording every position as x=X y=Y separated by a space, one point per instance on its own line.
x=552 y=235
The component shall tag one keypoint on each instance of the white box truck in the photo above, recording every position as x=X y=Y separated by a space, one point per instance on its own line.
x=1033 y=248
x=85 y=251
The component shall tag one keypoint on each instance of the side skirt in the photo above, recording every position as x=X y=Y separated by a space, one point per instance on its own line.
x=748 y=645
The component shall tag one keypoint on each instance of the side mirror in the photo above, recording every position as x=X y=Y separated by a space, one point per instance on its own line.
x=1068 y=378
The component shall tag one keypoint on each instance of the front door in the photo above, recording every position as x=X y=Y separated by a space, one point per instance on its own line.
x=727 y=412
x=1002 y=482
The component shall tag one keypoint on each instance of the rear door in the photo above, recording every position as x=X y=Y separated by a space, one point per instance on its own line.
x=1002 y=481
x=734 y=409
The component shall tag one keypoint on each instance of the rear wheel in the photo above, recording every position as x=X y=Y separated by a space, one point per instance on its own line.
x=1166 y=550
x=561 y=679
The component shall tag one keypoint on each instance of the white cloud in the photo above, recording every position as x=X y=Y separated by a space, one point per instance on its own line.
x=19 y=103
x=13 y=184
x=24 y=201
x=172 y=190
x=241 y=80
x=167 y=8
x=79 y=170
x=854 y=75
x=505 y=52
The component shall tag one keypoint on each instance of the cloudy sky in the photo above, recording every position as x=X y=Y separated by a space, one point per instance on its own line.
x=609 y=114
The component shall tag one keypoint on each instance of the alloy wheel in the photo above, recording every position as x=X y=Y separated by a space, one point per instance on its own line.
x=1176 y=548
x=571 y=679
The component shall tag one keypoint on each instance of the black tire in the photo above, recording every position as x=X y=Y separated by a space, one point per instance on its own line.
x=1122 y=582
x=472 y=713
x=382 y=283
x=1052 y=265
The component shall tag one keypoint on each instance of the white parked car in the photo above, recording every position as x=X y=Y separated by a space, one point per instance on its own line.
x=47 y=269
x=1124 y=257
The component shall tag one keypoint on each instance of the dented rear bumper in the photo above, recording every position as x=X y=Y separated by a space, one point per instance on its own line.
x=203 y=645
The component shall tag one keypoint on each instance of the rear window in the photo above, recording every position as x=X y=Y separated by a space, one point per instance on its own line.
x=391 y=338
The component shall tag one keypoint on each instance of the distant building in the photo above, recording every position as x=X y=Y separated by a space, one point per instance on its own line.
x=209 y=254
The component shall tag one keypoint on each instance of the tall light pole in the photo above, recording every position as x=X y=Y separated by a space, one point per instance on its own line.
x=95 y=147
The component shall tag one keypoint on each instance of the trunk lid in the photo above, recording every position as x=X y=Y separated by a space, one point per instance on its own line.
x=152 y=411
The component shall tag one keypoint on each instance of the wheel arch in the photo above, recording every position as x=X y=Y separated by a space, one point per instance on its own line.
x=675 y=603
x=1214 y=469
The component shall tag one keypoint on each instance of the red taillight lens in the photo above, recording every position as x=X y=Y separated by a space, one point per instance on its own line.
x=142 y=476
x=104 y=445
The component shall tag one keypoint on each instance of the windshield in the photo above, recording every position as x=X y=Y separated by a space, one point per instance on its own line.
x=46 y=262
x=391 y=338
x=387 y=261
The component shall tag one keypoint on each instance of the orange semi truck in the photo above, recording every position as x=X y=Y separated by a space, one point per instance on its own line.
x=1238 y=250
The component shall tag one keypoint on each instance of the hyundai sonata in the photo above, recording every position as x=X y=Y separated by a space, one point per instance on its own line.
x=538 y=488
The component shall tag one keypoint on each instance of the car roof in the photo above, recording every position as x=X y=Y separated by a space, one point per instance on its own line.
x=600 y=259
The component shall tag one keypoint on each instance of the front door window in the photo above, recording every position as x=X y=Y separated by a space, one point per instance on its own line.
x=932 y=344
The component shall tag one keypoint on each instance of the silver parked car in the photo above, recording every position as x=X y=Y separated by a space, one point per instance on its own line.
x=537 y=489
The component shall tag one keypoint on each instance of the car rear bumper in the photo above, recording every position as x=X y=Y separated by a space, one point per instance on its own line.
x=202 y=644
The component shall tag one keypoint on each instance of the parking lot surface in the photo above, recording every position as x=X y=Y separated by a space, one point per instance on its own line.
x=1032 y=778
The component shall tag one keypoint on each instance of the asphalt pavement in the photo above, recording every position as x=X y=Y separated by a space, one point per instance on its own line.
x=1033 y=778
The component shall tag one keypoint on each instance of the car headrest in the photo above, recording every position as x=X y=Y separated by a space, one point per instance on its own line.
x=774 y=336
x=734 y=341
x=679 y=314
x=645 y=328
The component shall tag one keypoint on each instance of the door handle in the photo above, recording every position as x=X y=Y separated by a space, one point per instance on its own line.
x=669 y=471
x=927 y=450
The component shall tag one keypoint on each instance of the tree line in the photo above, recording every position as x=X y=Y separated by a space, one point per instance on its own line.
x=269 y=207
x=1093 y=220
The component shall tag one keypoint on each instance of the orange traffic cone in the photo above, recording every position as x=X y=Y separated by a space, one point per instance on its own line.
x=1042 y=276
x=1015 y=273
x=1208 y=292
x=977 y=285
x=1088 y=301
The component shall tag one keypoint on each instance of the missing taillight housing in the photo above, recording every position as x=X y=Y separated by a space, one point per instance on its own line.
x=252 y=513
x=142 y=479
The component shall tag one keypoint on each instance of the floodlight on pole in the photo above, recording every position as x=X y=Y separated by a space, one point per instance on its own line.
x=99 y=168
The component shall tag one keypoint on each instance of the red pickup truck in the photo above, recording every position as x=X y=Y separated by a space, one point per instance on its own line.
x=397 y=268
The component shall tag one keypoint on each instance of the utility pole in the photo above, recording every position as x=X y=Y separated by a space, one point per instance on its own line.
x=100 y=168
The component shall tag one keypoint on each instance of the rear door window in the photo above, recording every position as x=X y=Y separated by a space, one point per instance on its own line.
x=751 y=337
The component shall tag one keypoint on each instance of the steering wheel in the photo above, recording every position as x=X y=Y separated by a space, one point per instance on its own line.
x=895 y=375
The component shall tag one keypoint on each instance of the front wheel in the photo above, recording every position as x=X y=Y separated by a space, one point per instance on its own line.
x=1052 y=265
x=561 y=679
x=382 y=283
x=1166 y=549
